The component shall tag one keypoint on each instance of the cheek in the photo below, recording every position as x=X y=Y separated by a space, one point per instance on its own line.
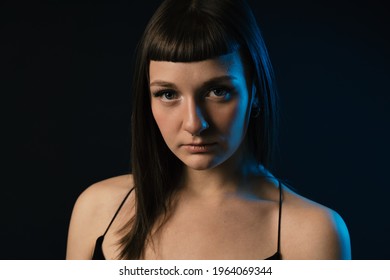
x=164 y=120
x=231 y=119
x=159 y=118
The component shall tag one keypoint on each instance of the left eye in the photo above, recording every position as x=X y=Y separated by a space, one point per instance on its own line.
x=219 y=93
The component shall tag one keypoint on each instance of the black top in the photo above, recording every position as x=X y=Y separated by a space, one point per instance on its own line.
x=98 y=251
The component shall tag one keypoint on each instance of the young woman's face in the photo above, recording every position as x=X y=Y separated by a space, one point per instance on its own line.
x=201 y=108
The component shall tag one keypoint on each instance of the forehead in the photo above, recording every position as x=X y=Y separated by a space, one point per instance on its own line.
x=229 y=64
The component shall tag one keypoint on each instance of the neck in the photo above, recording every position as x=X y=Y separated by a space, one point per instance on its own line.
x=228 y=178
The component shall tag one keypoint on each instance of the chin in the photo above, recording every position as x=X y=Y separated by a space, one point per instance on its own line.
x=200 y=164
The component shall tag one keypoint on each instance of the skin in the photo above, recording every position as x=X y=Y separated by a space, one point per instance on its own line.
x=205 y=101
x=225 y=208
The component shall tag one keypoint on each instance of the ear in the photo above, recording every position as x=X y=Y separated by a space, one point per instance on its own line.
x=254 y=97
x=255 y=104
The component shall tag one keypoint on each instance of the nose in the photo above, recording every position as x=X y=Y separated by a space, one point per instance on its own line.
x=194 y=120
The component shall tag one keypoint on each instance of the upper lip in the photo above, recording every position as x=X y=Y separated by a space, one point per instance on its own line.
x=199 y=143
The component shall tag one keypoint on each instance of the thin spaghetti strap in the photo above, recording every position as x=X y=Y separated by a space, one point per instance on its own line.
x=280 y=214
x=117 y=211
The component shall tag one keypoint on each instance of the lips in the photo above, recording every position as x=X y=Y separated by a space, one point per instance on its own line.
x=199 y=147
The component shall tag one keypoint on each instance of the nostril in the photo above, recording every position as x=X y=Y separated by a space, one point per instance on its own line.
x=194 y=118
x=203 y=127
x=196 y=124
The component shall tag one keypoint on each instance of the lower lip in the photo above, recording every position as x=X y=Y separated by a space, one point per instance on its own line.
x=199 y=149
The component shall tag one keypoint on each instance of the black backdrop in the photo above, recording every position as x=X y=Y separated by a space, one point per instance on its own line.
x=65 y=88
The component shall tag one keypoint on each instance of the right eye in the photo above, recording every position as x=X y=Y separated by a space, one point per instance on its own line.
x=166 y=95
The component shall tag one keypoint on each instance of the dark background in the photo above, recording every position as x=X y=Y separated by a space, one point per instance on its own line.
x=65 y=89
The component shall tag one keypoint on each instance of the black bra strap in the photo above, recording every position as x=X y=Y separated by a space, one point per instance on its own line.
x=280 y=214
x=117 y=211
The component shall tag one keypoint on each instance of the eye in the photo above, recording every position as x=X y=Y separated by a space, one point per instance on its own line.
x=166 y=95
x=219 y=94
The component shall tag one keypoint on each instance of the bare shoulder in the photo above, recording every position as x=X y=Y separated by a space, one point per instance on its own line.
x=105 y=193
x=92 y=212
x=311 y=230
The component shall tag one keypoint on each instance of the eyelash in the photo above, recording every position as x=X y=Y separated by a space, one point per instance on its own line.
x=161 y=93
x=227 y=96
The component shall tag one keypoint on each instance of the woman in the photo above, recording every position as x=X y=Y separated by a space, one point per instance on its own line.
x=203 y=132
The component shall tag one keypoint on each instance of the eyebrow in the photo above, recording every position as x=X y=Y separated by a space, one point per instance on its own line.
x=216 y=80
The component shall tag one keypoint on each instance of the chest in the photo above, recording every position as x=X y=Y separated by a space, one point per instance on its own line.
x=226 y=233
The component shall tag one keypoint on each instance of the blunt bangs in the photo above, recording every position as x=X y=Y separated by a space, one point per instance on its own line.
x=188 y=36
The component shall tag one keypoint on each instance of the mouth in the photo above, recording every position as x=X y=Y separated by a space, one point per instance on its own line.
x=199 y=147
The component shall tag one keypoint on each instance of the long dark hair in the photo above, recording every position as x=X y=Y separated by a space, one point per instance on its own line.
x=186 y=31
